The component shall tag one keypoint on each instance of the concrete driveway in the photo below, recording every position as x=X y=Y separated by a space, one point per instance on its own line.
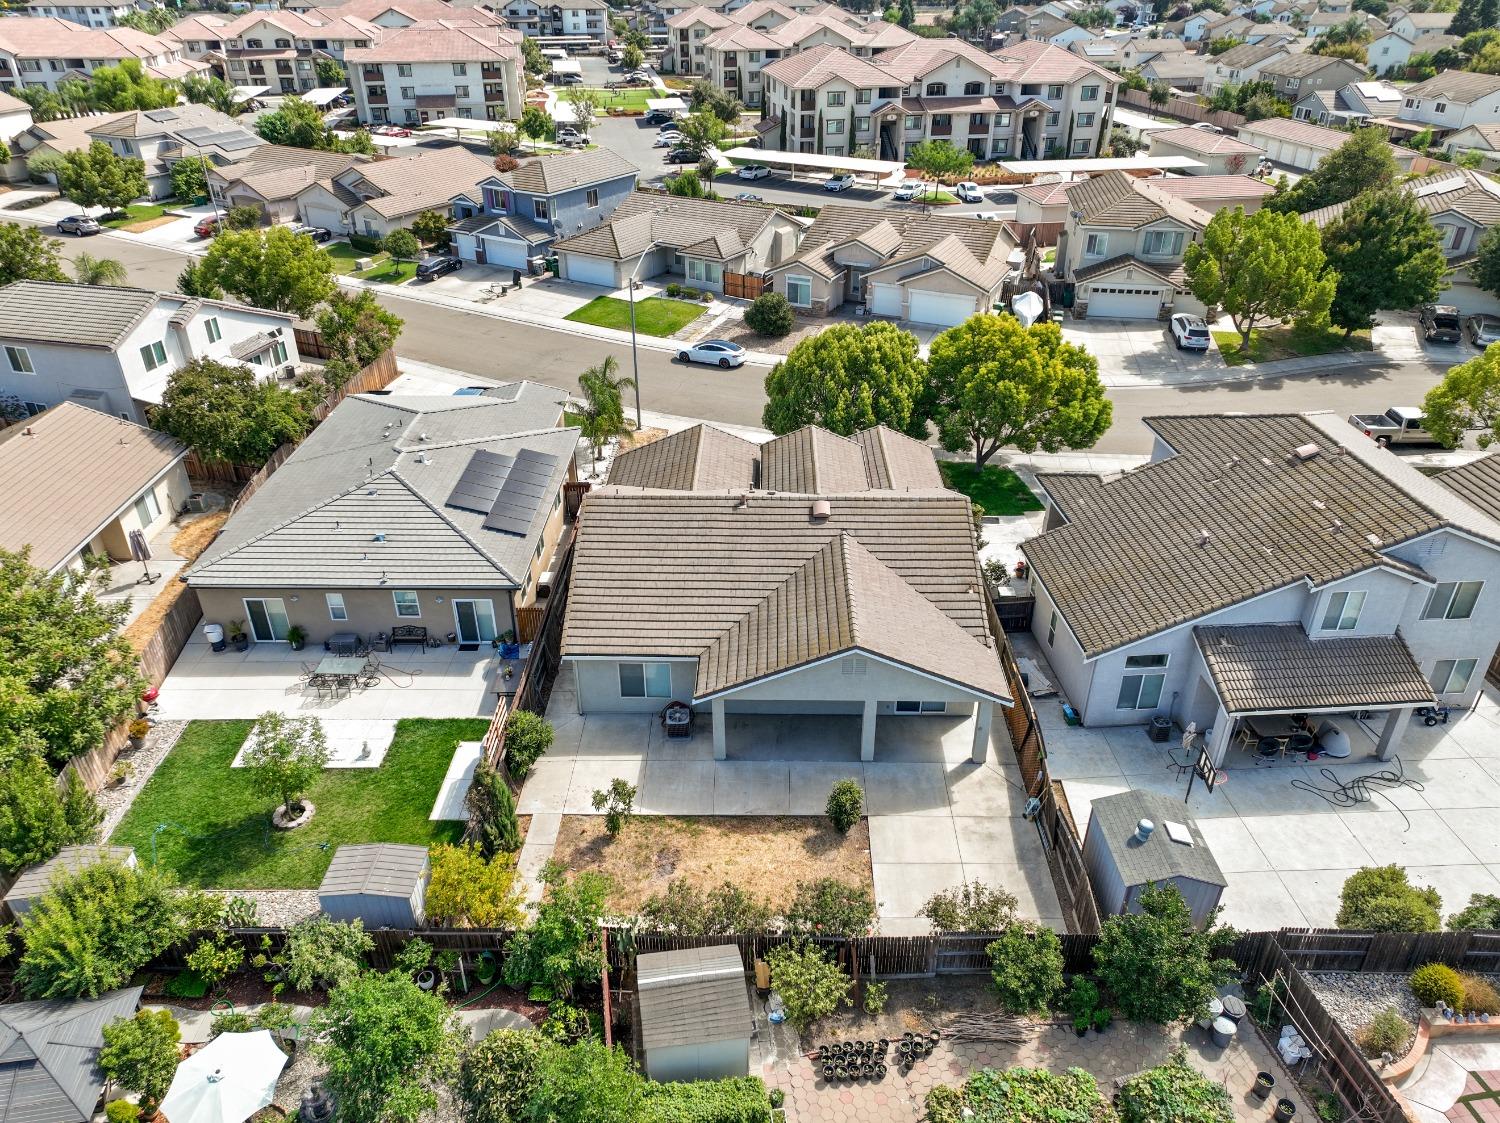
x=1141 y=353
x=936 y=819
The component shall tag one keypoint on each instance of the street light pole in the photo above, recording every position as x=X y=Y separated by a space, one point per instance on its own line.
x=635 y=361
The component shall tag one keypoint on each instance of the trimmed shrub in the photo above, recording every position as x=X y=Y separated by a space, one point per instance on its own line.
x=367 y=243
x=497 y=1076
x=1386 y=1032
x=1034 y=1095
x=1482 y=911
x=1437 y=982
x=846 y=803
x=505 y=162
x=1026 y=965
x=944 y=1105
x=740 y=1099
x=810 y=984
x=972 y=907
x=1176 y=1091
x=1156 y=964
x=1480 y=995
x=770 y=314
x=527 y=737
x=1381 y=899
x=829 y=907
x=121 y=1111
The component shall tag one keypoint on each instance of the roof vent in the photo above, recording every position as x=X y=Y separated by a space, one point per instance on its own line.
x=422 y=436
x=422 y=458
x=821 y=509
x=1336 y=526
x=380 y=536
x=1144 y=829
x=1307 y=451
x=1179 y=833
x=1374 y=540
x=370 y=491
x=743 y=503
x=1203 y=537
x=1319 y=505
x=28 y=432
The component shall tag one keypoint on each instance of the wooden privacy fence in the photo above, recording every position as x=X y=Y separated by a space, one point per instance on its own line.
x=1181 y=109
x=746 y=286
x=1328 y=949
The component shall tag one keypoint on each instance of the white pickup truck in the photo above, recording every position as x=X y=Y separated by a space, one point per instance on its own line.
x=1399 y=425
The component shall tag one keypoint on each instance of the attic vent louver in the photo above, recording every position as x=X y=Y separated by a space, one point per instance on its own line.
x=1144 y=830
x=821 y=509
x=1307 y=451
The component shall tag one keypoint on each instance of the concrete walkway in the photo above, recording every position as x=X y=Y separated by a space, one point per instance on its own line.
x=1452 y=1069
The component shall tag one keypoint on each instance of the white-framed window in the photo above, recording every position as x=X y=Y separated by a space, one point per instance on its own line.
x=1342 y=612
x=1055 y=91
x=147 y=509
x=917 y=707
x=645 y=680
x=20 y=360
x=408 y=92
x=153 y=355
x=1085 y=120
x=1142 y=690
x=861 y=97
x=799 y=292
x=403 y=70
x=1052 y=627
x=1002 y=120
x=861 y=124
x=211 y=326
x=835 y=99
x=278 y=353
x=539 y=210
x=460 y=92
x=913 y=122
x=1451 y=676
x=1089 y=93
x=591 y=198
x=1452 y=600
x=1163 y=243
x=1440 y=107
x=1096 y=245
x=1081 y=147
x=407 y=603
x=835 y=126
x=460 y=69
x=336 y=609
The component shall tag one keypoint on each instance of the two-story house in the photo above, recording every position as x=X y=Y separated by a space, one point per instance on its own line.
x=1028 y=101
x=162 y=137
x=113 y=349
x=1296 y=76
x=1390 y=53
x=1452 y=100
x=1122 y=248
x=376 y=197
x=1415 y=24
x=273 y=177
x=43 y=52
x=429 y=71
x=1185 y=72
x=1264 y=565
x=1244 y=63
x=525 y=211
x=1358 y=103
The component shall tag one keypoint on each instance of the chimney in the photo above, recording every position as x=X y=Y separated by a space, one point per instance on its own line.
x=1143 y=830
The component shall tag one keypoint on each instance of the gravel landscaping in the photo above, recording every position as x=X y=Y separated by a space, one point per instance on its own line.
x=1353 y=998
x=115 y=800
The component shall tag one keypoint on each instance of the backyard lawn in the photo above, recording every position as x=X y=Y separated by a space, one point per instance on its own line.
x=344 y=256
x=656 y=315
x=212 y=823
x=998 y=490
x=1269 y=344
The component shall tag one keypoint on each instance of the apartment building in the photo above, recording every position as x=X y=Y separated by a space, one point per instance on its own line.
x=44 y=51
x=85 y=15
x=428 y=71
x=543 y=20
x=1028 y=101
x=280 y=49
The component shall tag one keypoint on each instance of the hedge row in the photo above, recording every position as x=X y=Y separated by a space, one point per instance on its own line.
x=741 y=1099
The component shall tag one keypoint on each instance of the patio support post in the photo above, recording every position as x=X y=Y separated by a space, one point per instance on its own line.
x=984 y=716
x=721 y=741
x=867 y=731
x=1392 y=733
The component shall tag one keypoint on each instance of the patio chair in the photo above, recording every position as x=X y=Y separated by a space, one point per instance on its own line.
x=308 y=671
x=322 y=684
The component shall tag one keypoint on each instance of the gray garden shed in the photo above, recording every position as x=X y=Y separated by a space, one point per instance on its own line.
x=382 y=883
x=49 y=1056
x=695 y=1013
x=1136 y=838
x=33 y=881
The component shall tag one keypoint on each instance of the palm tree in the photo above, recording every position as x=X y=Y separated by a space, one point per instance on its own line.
x=602 y=417
x=90 y=270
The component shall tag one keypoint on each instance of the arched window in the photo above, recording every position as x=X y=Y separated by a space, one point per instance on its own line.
x=937 y=89
x=974 y=88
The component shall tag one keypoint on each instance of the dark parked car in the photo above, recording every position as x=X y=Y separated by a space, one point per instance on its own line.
x=1440 y=323
x=435 y=267
x=682 y=156
x=316 y=233
x=80 y=224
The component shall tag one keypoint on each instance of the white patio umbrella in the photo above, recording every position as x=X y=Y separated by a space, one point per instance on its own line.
x=226 y=1081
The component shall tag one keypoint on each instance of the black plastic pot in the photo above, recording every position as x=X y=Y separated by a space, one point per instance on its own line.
x=880 y=1071
x=934 y=1037
x=1081 y=1032
x=1264 y=1082
x=828 y=1071
x=1285 y=1109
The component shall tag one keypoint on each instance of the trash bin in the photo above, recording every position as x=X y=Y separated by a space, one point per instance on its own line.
x=1234 y=1008
x=214 y=633
x=1214 y=1012
x=1161 y=729
x=1223 y=1032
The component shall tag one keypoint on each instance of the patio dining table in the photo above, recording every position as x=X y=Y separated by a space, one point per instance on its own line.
x=341 y=666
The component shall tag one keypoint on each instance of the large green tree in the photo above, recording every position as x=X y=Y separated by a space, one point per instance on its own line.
x=1485 y=268
x=356 y=330
x=96 y=177
x=229 y=414
x=213 y=92
x=585 y=1083
x=993 y=384
x=28 y=255
x=1159 y=965
x=1467 y=398
x=847 y=378
x=296 y=124
x=36 y=820
x=1260 y=267
x=140 y=1053
x=66 y=676
x=126 y=85
x=1474 y=15
x=273 y=269
x=388 y=1045
x=1362 y=163
x=1386 y=255
x=701 y=133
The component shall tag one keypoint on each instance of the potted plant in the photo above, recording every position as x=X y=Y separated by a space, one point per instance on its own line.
x=1101 y=1019
x=1264 y=1082
x=296 y=635
x=237 y=635
x=1285 y=1109
x=137 y=730
x=1081 y=1024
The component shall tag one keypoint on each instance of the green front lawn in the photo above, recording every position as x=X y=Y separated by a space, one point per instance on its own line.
x=211 y=824
x=998 y=490
x=1271 y=344
x=389 y=272
x=630 y=99
x=136 y=212
x=344 y=256
x=655 y=315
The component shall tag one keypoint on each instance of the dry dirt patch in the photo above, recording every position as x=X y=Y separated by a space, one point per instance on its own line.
x=764 y=855
x=188 y=543
x=150 y=223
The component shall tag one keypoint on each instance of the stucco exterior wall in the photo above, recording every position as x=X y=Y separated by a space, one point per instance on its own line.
x=369 y=610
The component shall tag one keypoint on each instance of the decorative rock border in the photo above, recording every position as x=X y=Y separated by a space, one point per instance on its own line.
x=282 y=822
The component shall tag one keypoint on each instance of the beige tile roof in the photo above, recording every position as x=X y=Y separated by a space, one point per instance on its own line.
x=430 y=42
x=1213 y=187
x=1129 y=563
x=1303 y=65
x=1248 y=54
x=48 y=312
x=1268 y=668
x=1477 y=483
x=1203 y=142
x=702 y=458
x=426 y=178
x=1461 y=86
x=548 y=175
x=708 y=227
x=1488 y=133
x=812 y=461
x=66 y=473
x=1118 y=199
x=277 y=167
x=813 y=67
x=894 y=460
x=1455 y=190
x=1302 y=132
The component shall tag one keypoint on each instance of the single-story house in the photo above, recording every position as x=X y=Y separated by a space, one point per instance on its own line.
x=814 y=574
x=439 y=513
x=1263 y=565
x=929 y=269
x=75 y=483
x=697 y=239
x=49 y=1055
x=1302 y=145
x=378 y=197
x=1219 y=153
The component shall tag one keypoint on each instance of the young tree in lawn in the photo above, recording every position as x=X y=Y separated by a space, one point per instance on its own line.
x=28 y=255
x=501 y=142
x=431 y=227
x=402 y=245
x=1260 y=267
x=140 y=1053
x=228 y=414
x=585 y=104
x=96 y=177
x=286 y=755
x=535 y=124
x=632 y=56
x=356 y=329
x=938 y=158
x=91 y=270
x=1386 y=255
x=1467 y=398
x=66 y=676
x=189 y=180
x=846 y=378
x=273 y=269
x=388 y=1046
x=995 y=384
x=701 y=134
x=1362 y=163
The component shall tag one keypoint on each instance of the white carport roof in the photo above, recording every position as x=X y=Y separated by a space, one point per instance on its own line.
x=325 y=95
x=469 y=124
x=1124 y=164
x=666 y=104
x=567 y=66
x=246 y=93
x=819 y=162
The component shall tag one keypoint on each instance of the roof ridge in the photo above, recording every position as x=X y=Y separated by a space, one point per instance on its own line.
x=851 y=605
x=442 y=515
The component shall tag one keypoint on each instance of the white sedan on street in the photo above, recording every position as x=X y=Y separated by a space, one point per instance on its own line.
x=714 y=352
x=753 y=171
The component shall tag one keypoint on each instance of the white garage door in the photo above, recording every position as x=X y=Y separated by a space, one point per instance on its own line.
x=1121 y=302
x=505 y=251
x=885 y=300
x=329 y=218
x=939 y=308
x=591 y=270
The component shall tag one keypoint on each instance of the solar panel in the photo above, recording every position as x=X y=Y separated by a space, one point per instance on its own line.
x=522 y=493
x=478 y=487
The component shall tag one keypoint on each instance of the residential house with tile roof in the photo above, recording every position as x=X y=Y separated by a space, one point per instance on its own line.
x=814 y=574
x=1185 y=72
x=1302 y=145
x=113 y=349
x=107 y=14
x=1389 y=53
x=1321 y=22
x=1299 y=74
x=1484 y=139
x=377 y=196
x=440 y=513
x=273 y=176
x=1413 y=24
x=930 y=269
x=523 y=212
x=1452 y=100
x=1047 y=205
x=698 y=240
x=1122 y=248
x=49 y=1055
x=44 y=51
x=1370 y=101
x=1262 y=566
x=1219 y=153
x=1242 y=64
x=160 y=138
x=430 y=70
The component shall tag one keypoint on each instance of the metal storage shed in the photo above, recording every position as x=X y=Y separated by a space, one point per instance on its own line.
x=49 y=1056
x=1136 y=838
x=694 y=1013
x=381 y=883
x=34 y=880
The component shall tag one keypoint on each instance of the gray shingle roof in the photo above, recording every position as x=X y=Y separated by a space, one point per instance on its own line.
x=1270 y=668
x=1118 y=199
x=49 y=1070
x=1462 y=86
x=692 y=996
x=34 y=880
x=375 y=869
x=1159 y=857
x=548 y=175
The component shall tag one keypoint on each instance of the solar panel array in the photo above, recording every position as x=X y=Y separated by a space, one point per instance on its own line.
x=507 y=490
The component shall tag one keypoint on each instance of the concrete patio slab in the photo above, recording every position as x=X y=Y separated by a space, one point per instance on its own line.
x=1410 y=838
x=901 y=888
x=752 y=787
x=1456 y=783
x=991 y=841
x=352 y=742
x=902 y=838
x=906 y=789
x=1476 y=827
x=614 y=735
x=985 y=789
x=546 y=788
x=591 y=774
x=812 y=782
x=1308 y=842
x=544 y=829
x=676 y=787
x=1456 y=883
x=1028 y=883
x=454 y=789
x=1261 y=900
x=1233 y=847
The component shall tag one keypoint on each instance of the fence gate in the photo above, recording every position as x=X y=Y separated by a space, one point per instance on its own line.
x=746 y=286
